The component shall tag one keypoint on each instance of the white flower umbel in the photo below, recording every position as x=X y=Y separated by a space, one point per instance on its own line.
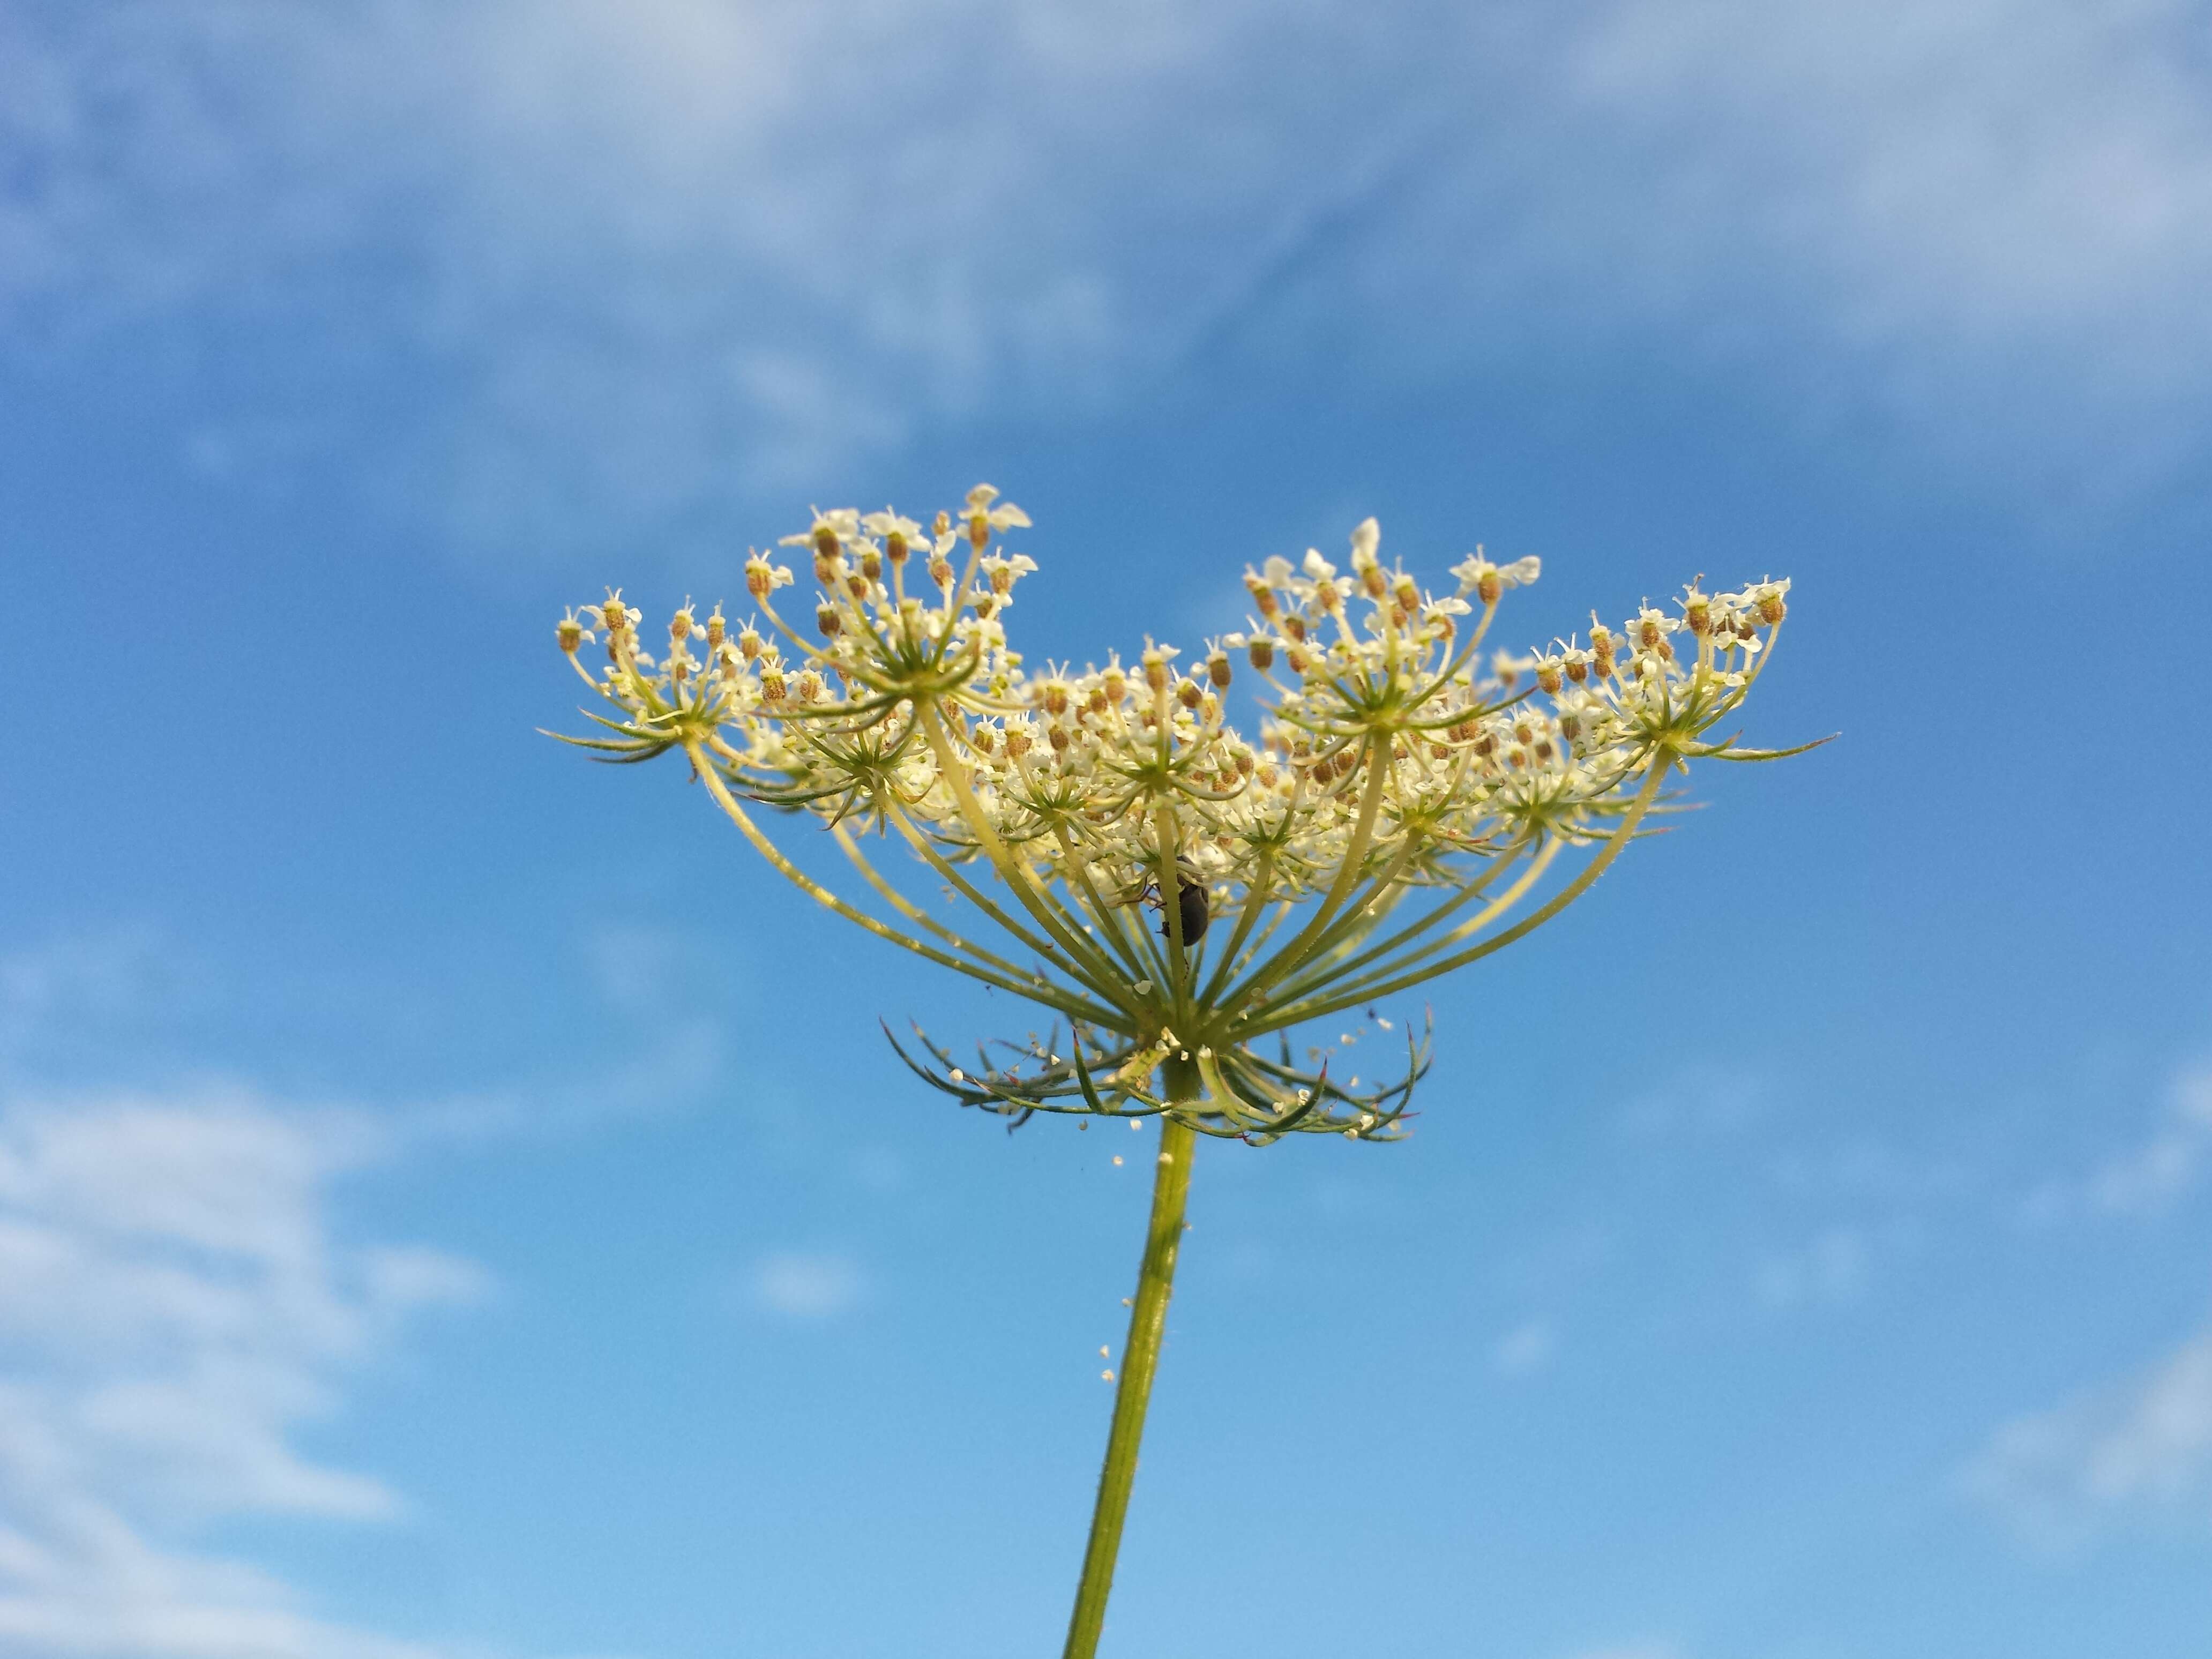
x=1406 y=810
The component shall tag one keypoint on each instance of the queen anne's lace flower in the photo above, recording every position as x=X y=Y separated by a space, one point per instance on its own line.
x=1400 y=802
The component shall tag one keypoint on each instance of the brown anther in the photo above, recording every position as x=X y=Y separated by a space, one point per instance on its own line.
x=1577 y=670
x=615 y=617
x=1216 y=670
x=1488 y=586
x=1294 y=627
x=1189 y=692
x=1262 y=651
x=1018 y=743
x=857 y=587
x=571 y=634
x=759 y=580
x=1002 y=580
x=1242 y=761
x=1698 y=616
x=939 y=571
x=716 y=631
x=1375 y=581
x=1057 y=736
x=894 y=547
x=979 y=532
x=827 y=619
x=1771 y=610
x=1549 y=678
x=1409 y=594
x=871 y=565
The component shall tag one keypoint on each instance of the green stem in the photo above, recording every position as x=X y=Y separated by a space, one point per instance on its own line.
x=1141 y=1358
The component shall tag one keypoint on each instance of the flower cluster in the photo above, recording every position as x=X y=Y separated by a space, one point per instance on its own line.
x=1403 y=796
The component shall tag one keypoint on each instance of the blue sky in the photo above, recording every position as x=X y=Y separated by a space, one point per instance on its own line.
x=454 y=1203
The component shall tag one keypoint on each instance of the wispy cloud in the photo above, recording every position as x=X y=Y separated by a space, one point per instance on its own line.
x=1527 y=1347
x=673 y=250
x=174 y=1307
x=2134 y=1450
x=2149 y=1177
x=805 y=1285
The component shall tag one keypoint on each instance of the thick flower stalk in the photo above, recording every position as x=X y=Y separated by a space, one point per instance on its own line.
x=1408 y=807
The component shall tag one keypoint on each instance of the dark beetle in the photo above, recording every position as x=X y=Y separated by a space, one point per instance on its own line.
x=1190 y=910
x=1191 y=907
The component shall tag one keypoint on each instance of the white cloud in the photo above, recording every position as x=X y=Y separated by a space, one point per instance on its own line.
x=2154 y=1176
x=2150 y=1177
x=172 y=1308
x=804 y=1284
x=680 y=250
x=2140 y=1448
x=1525 y=1348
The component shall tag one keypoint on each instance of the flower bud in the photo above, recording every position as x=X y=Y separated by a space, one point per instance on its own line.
x=1053 y=697
x=894 y=547
x=760 y=578
x=1263 y=596
x=570 y=633
x=939 y=571
x=1698 y=614
x=825 y=542
x=1375 y=581
x=773 y=689
x=1408 y=595
x=615 y=616
x=1114 y=684
x=1262 y=652
x=871 y=565
x=827 y=619
x=1217 y=669
x=1057 y=736
x=1488 y=586
x=1601 y=649
x=1189 y=692
x=1550 y=675
x=1018 y=743
x=717 y=629
x=749 y=645
x=858 y=588
x=1771 y=610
